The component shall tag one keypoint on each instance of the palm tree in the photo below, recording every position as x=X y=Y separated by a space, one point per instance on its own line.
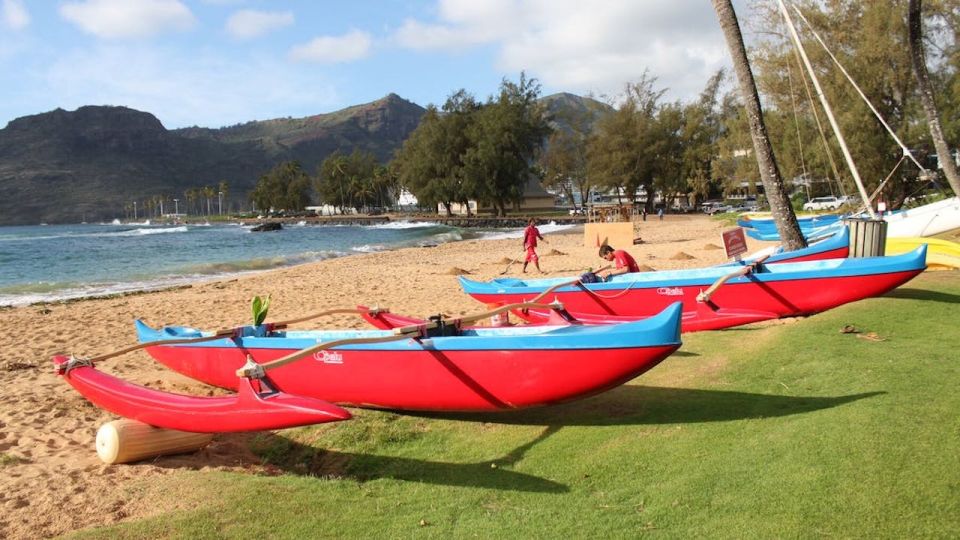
x=223 y=190
x=189 y=196
x=208 y=193
x=919 y=64
x=783 y=215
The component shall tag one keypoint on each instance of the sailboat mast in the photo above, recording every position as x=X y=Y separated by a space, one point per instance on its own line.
x=828 y=110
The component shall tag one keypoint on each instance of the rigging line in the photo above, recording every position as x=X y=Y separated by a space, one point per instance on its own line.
x=880 y=187
x=826 y=108
x=906 y=150
x=820 y=130
x=796 y=122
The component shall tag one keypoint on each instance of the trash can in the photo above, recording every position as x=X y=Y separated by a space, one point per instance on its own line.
x=868 y=237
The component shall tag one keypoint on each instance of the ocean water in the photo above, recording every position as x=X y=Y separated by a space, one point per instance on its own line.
x=57 y=262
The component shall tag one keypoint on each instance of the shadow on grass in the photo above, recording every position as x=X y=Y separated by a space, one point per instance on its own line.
x=304 y=460
x=647 y=405
x=923 y=294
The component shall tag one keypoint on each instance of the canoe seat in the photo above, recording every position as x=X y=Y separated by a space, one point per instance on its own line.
x=443 y=328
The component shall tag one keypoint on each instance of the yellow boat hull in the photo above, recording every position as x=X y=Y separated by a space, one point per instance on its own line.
x=941 y=254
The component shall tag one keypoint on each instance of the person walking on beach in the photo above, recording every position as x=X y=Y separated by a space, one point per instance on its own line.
x=530 y=236
x=660 y=213
x=623 y=262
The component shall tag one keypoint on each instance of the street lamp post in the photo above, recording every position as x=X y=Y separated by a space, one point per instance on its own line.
x=134 y=210
x=220 y=202
x=176 y=207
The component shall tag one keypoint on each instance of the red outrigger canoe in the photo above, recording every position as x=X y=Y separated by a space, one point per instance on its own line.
x=475 y=369
x=768 y=292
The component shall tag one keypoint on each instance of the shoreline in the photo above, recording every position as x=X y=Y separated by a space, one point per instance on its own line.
x=175 y=281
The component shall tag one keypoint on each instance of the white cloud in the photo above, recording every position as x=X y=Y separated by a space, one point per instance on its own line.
x=583 y=46
x=14 y=14
x=119 y=19
x=153 y=79
x=351 y=46
x=249 y=23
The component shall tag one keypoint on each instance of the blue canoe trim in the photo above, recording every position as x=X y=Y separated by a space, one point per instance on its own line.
x=767 y=224
x=808 y=232
x=660 y=330
x=831 y=268
x=834 y=241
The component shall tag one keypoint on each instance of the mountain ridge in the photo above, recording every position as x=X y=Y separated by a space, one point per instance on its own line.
x=92 y=163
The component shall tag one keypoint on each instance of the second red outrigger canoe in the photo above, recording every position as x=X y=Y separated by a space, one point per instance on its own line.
x=770 y=291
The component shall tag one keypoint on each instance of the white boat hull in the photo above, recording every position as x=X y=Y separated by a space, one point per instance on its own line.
x=927 y=220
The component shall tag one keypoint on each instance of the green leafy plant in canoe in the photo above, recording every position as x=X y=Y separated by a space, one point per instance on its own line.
x=260 y=307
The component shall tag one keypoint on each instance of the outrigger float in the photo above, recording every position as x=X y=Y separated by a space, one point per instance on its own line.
x=286 y=378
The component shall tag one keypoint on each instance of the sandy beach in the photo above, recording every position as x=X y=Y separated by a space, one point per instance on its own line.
x=53 y=481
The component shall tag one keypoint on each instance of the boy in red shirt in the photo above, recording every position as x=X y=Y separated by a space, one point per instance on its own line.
x=622 y=260
x=530 y=236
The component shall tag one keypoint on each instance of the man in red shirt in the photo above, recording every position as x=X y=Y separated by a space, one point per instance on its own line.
x=622 y=261
x=530 y=236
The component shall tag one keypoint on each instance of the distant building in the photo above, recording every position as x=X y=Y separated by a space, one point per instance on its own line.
x=535 y=198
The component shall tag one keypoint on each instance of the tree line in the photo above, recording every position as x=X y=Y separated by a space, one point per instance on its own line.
x=196 y=201
x=487 y=151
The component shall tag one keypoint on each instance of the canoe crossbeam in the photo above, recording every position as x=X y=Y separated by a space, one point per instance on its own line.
x=753 y=266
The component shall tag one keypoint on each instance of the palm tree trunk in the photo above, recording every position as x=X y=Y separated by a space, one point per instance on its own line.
x=919 y=64
x=783 y=215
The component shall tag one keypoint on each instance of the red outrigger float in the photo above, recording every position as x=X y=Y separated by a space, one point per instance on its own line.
x=255 y=406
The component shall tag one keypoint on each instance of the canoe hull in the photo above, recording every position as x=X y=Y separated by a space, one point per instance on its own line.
x=428 y=380
x=783 y=290
x=480 y=369
x=781 y=298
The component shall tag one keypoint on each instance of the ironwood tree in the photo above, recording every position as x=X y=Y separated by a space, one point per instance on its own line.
x=285 y=187
x=504 y=141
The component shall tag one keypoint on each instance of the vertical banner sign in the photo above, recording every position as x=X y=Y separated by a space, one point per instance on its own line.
x=734 y=243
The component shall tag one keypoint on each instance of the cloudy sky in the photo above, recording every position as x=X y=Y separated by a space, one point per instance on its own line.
x=219 y=62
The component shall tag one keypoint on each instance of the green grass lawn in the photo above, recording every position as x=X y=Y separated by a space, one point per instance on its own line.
x=774 y=430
